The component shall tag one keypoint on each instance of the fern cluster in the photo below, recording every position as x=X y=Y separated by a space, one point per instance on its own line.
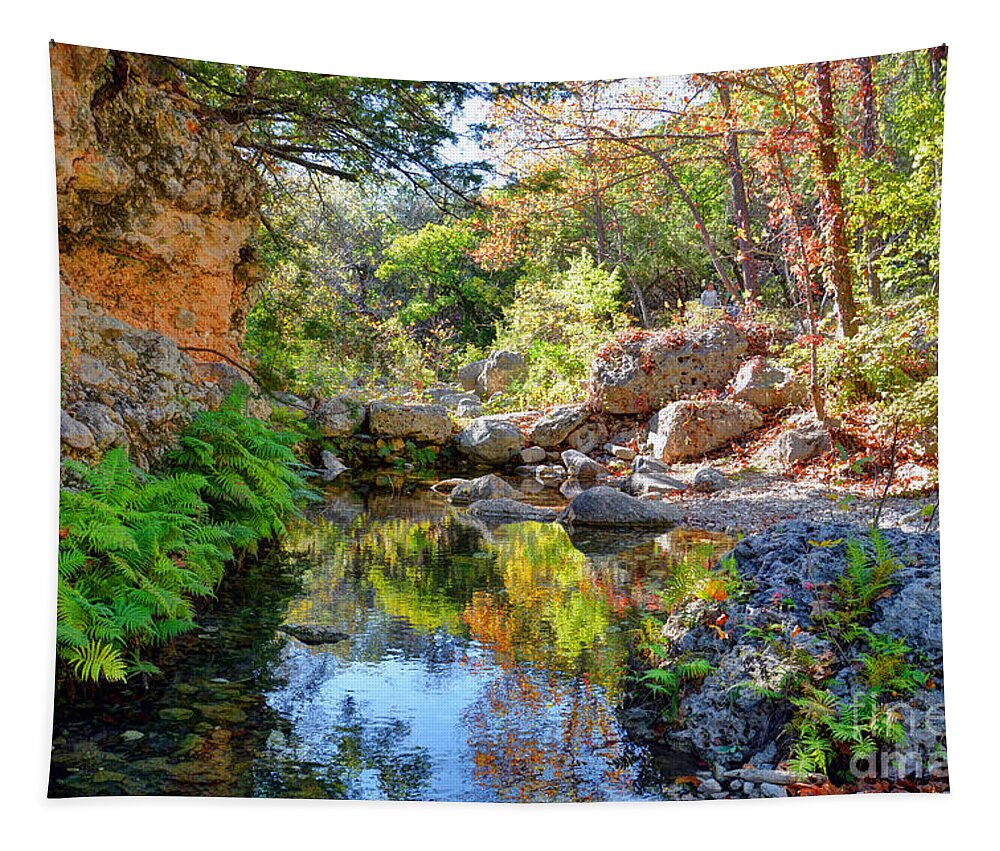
x=866 y=578
x=252 y=475
x=136 y=549
x=695 y=577
x=826 y=726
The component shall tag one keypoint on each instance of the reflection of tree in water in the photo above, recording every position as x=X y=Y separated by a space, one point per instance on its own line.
x=421 y=571
x=356 y=759
x=537 y=736
x=359 y=747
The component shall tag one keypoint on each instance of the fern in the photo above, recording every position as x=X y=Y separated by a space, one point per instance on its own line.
x=133 y=548
x=251 y=474
x=136 y=549
x=694 y=669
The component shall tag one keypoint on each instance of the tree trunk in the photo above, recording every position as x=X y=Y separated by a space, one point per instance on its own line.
x=741 y=208
x=832 y=215
x=937 y=56
x=869 y=142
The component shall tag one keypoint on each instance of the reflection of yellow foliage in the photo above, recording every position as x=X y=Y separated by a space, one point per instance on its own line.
x=424 y=611
x=552 y=612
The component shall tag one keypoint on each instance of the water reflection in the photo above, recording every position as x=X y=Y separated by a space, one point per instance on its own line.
x=497 y=657
x=481 y=665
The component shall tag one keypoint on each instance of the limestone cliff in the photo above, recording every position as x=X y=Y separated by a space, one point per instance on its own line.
x=156 y=206
x=156 y=213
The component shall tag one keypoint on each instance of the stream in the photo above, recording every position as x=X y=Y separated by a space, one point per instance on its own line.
x=480 y=665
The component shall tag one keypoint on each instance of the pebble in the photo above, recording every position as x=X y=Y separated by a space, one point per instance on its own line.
x=710 y=787
x=132 y=736
x=773 y=790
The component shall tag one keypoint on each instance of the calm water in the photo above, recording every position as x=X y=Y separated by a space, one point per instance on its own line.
x=481 y=665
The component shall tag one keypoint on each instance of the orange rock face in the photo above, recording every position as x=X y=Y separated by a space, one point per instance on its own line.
x=156 y=206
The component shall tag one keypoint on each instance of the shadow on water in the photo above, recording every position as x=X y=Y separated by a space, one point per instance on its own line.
x=480 y=665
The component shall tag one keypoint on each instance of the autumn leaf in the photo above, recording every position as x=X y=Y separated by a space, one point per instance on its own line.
x=715 y=589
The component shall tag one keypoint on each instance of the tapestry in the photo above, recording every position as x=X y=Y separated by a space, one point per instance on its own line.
x=501 y=441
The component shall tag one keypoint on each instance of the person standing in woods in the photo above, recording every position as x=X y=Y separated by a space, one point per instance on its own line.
x=709 y=297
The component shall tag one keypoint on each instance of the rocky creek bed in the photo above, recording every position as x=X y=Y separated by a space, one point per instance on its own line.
x=404 y=589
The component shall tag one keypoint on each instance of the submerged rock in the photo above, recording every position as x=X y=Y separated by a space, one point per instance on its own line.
x=332 y=466
x=606 y=506
x=499 y=511
x=313 y=633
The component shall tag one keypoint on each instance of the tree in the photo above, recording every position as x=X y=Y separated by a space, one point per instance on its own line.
x=346 y=127
x=832 y=213
x=741 y=207
x=434 y=274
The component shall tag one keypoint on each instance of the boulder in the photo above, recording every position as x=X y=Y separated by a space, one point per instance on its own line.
x=490 y=442
x=533 y=455
x=468 y=408
x=588 y=437
x=690 y=428
x=605 y=506
x=767 y=386
x=74 y=434
x=340 y=416
x=709 y=480
x=647 y=370
x=469 y=374
x=644 y=484
x=495 y=512
x=623 y=453
x=649 y=465
x=580 y=466
x=484 y=487
x=454 y=399
x=426 y=423
x=556 y=425
x=499 y=370
x=797 y=444
x=650 y=476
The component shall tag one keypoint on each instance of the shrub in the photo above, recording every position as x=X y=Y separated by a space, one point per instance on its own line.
x=558 y=324
x=891 y=361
